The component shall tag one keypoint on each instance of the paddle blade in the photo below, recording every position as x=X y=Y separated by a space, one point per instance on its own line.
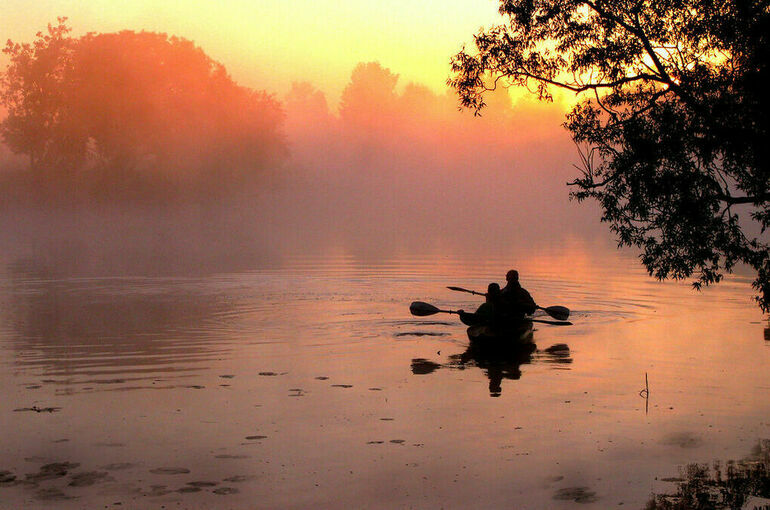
x=421 y=309
x=460 y=289
x=557 y=312
x=552 y=323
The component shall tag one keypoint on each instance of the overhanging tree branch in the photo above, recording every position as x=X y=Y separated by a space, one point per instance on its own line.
x=688 y=117
x=756 y=200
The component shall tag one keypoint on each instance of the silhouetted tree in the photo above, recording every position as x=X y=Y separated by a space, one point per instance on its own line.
x=130 y=106
x=369 y=100
x=307 y=100
x=31 y=90
x=306 y=108
x=673 y=126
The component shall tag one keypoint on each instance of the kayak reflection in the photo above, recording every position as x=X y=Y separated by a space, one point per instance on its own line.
x=499 y=358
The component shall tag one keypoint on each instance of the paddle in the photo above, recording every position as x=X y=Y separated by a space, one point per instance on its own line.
x=421 y=309
x=466 y=290
x=557 y=312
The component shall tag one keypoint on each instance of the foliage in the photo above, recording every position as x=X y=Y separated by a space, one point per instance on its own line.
x=134 y=107
x=671 y=122
x=370 y=98
x=31 y=91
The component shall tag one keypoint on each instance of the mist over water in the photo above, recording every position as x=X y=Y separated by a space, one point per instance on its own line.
x=253 y=337
x=311 y=378
x=396 y=169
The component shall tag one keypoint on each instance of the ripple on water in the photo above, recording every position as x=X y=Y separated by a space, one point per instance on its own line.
x=126 y=332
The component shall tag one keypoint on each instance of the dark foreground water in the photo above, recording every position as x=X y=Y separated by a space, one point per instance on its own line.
x=307 y=384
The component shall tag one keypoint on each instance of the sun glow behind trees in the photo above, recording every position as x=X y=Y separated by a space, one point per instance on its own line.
x=132 y=114
x=396 y=165
x=270 y=44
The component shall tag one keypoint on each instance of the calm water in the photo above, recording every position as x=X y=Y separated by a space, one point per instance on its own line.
x=307 y=384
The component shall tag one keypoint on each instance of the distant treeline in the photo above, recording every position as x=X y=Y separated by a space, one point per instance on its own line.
x=148 y=118
x=131 y=115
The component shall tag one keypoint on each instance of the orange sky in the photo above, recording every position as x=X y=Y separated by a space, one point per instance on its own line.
x=268 y=44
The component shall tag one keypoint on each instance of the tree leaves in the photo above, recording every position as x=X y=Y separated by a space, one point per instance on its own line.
x=673 y=122
x=136 y=114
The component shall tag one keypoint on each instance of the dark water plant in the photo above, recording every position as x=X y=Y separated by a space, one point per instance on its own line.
x=720 y=486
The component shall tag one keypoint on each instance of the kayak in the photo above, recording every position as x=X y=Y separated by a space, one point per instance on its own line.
x=492 y=347
x=517 y=335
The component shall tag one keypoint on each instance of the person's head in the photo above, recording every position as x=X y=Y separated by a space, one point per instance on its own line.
x=493 y=292
x=512 y=276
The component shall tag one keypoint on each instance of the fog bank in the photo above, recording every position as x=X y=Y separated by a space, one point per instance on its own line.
x=390 y=170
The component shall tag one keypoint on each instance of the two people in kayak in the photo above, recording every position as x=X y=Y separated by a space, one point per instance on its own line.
x=503 y=307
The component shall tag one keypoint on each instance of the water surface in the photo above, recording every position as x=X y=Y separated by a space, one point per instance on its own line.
x=307 y=384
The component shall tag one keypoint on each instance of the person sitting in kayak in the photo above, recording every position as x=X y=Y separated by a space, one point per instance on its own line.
x=515 y=299
x=490 y=313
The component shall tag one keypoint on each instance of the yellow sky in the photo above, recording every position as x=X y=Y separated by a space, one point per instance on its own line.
x=268 y=44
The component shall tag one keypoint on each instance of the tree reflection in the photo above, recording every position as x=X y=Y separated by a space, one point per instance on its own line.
x=728 y=485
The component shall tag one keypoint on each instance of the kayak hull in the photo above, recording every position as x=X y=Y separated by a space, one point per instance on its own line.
x=519 y=335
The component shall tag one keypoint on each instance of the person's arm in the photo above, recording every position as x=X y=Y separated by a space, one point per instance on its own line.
x=482 y=315
x=527 y=303
x=469 y=319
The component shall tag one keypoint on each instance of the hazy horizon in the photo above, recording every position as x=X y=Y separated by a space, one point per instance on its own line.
x=214 y=231
x=395 y=166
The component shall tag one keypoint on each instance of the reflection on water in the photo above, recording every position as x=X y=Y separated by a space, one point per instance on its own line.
x=498 y=362
x=86 y=331
x=308 y=384
x=735 y=484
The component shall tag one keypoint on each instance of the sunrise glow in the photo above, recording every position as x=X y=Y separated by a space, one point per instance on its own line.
x=270 y=44
x=254 y=254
